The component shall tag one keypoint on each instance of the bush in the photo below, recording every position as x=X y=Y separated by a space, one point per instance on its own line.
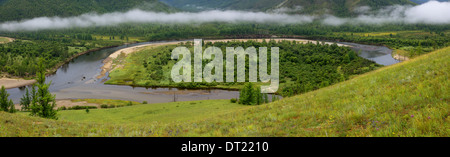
x=103 y=106
x=130 y=103
x=144 y=102
x=82 y=107
x=112 y=106
x=233 y=100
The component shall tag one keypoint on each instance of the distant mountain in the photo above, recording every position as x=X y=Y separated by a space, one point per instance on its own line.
x=25 y=9
x=424 y=1
x=336 y=7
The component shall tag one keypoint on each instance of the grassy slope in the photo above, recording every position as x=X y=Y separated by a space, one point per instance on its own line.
x=166 y=112
x=406 y=99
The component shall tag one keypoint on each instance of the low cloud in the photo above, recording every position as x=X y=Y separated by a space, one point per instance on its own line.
x=432 y=12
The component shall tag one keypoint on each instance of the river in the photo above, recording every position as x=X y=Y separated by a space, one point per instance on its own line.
x=77 y=80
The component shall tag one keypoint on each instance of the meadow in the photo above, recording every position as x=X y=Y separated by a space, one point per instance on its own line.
x=407 y=99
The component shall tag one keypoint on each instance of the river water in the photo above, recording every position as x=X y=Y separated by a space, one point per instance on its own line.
x=77 y=80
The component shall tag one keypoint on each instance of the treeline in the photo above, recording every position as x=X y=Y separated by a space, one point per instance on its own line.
x=13 y=10
x=20 y=58
x=152 y=32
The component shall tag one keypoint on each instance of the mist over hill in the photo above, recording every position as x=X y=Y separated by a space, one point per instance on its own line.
x=342 y=8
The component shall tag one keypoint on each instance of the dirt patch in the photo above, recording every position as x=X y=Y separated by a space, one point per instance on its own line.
x=14 y=83
x=400 y=57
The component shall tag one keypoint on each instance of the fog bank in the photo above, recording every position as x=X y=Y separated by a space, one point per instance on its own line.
x=432 y=12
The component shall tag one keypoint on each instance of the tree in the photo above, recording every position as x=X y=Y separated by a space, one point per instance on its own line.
x=5 y=104
x=43 y=103
x=246 y=95
x=25 y=101
x=12 y=108
x=266 y=98
x=251 y=95
x=258 y=96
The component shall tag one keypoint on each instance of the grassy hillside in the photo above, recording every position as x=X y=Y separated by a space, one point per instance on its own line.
x=24 y=9
x=337 y=7
x=406 y=99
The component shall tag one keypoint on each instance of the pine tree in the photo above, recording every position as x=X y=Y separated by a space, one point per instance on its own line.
x=12 y=108
x=43 y=103
x=258 y=96
x=25 y=101
x=247 y=95
x=4 y=104
x=266 y=98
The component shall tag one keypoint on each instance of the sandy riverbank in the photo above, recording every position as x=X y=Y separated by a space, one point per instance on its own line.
x=400 y=58
x=14 y=83
x=108 y=62
x=9 y=40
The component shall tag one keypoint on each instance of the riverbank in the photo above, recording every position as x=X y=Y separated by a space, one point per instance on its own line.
x=108 y=62
x=4 y=40
x=56 y=67
x=15 y=83
x=400 y=55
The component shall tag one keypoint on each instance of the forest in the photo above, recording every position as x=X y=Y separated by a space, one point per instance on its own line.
x=306 y=66
x=13 y=10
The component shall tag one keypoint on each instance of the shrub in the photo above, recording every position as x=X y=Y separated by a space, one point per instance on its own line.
x=144 y=102
x=63 y=108
x=103 y=106
x=233 y=100
x=82 y=107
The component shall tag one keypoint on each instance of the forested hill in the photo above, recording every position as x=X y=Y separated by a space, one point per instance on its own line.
x=24 y=9
x=336 y=7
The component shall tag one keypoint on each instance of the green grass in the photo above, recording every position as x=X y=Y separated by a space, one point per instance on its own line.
x=149 y=113
x=407 y=99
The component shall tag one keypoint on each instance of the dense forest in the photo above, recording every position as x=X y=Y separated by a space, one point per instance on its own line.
x=12 y=10
x=306 y=66
x=20 y=58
